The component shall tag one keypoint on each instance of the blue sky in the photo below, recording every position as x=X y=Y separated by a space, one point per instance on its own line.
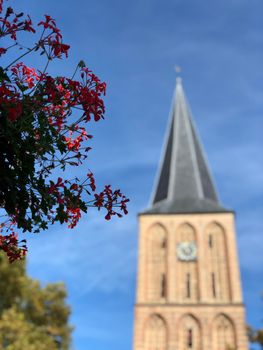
x=134 y=46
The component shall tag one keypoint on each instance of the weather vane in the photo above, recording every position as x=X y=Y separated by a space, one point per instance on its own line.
x=178 y=70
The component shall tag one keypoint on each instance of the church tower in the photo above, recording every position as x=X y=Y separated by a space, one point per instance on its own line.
x=188 y=286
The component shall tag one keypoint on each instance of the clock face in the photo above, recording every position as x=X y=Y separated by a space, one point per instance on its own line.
x=186 y=251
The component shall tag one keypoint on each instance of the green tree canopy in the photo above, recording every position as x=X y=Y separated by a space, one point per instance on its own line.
x=32 y=317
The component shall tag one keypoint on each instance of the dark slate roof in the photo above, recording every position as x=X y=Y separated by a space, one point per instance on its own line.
x=184 y=183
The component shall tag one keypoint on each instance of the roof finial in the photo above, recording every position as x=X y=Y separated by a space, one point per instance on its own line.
x=178 y=70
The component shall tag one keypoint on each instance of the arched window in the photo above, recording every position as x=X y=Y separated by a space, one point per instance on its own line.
x=155 y=336
x=187 y=282
x=218 y=285
x=156 y=264
x=189 y=334
x=223 y=334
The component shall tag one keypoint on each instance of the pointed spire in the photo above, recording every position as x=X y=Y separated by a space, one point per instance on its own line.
x=184 y=183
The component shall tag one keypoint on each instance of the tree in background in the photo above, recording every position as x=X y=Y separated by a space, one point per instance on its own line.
x=31 y=317
x=43 y=127
x=256 y=336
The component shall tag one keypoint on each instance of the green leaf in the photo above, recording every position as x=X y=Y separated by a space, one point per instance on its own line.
x=3 y=75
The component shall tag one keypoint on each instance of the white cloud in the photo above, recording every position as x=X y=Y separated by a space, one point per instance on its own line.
x=91 y=257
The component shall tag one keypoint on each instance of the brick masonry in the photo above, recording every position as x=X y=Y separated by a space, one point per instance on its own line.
x=216 y=319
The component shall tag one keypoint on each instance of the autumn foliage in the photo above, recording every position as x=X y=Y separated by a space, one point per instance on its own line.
x=43 y=127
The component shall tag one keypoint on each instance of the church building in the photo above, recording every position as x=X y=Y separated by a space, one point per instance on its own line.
x=188 y=284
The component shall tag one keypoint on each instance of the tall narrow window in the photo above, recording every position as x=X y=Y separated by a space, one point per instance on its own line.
x=213 y=284
x=163 y=286
x=190 y=338
x=218 y=278
x=188 y=285
x=156 y=263
x=210 y=241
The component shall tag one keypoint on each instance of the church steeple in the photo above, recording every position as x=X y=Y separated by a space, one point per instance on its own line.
x=188 y=276
x=184 y=182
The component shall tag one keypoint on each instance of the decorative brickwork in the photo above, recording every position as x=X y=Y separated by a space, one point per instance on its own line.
x=202 y=321
x=186 y=278
x=155 y=333
x=218 y=283
x=156 y=263
x=223 y=333
x=189 y=333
